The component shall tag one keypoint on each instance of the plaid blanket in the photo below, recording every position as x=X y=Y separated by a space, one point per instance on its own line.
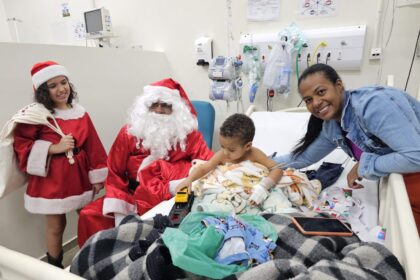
x=106 y=256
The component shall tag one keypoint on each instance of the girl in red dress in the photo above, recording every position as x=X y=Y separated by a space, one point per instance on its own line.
x=57 y=185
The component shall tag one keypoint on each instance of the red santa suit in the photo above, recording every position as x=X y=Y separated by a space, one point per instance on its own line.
x=127 y=162
x=54 y=185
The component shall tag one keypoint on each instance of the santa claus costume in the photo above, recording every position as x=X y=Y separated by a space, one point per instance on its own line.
x=55 y=186
x=148 y=153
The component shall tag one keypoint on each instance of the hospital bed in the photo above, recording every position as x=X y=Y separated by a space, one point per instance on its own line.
x=18 y=266
x=385 y=202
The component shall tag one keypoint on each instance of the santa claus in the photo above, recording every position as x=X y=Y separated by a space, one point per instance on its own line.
x=152 y=150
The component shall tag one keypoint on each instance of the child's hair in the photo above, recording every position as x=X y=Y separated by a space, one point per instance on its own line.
x=42 y=95
x=314 y=124
x=240 y=126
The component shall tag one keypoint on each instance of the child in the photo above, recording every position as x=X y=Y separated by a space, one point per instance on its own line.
x=236 y=135
x=56 y=186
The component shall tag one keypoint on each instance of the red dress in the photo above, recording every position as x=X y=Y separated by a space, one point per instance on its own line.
x=54 y=185
x=124 y=160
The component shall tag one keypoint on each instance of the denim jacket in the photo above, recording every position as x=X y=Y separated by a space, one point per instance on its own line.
x=383 y=122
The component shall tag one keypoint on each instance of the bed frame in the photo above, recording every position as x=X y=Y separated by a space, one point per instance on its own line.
x=395 y=215
x=18 y=266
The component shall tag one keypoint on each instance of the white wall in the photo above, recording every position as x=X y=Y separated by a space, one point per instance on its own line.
x=107 y=82
x=43 y=21
x=4 y=28
x=172 y=26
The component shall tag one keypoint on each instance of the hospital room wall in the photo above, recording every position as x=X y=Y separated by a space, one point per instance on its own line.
x=172 y=26
x=42 y=21
x=4 y=28
x=107 y=82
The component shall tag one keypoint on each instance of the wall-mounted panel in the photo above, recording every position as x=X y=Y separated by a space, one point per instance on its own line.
x=343 y=49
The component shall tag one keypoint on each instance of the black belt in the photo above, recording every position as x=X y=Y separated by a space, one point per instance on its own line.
x=132 y=185
x=75 y=152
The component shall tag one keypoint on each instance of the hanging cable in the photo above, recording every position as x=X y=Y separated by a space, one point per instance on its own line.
x=299 y=103
x=392 y=24
x=229 y=25
x=321 y=44
x=328 y=58
x=412 y=61
x=383 y=12
x=298 y=56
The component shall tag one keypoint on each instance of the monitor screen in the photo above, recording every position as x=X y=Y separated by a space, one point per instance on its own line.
x=93 y=20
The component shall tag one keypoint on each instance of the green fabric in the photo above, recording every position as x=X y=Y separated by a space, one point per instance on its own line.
x=191 y=224
x=194 y=247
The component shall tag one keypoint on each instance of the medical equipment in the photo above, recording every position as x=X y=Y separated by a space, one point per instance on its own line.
x=225 y=84
x=204 y=50
x=279 y=67
x=224 y=90
x=252 y=67
x=345 y=45
x=224 y=68
x=98 y=24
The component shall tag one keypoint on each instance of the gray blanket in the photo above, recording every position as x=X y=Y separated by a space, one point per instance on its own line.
x=106 y=256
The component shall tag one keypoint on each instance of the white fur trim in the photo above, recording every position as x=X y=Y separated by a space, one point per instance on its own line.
x=173 y=184
x=114 y=205
x=76 y=112
x=118 y=218
x=47 y=73
x=146 y=162
x=98 y=175
x=38 y=205
x=159 y=89
x=38 y=160
x=153 y=94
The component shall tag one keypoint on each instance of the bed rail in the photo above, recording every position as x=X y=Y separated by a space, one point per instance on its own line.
x=18 y=266
x=396 y=216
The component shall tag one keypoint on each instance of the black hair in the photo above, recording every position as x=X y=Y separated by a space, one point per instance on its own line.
x=238 y=125
x=314 y=124
x=42 y=95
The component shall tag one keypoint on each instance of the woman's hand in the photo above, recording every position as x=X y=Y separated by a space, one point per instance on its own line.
x=66 y=143
x=353 y=176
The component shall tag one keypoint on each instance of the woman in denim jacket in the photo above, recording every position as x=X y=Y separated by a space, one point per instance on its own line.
x=378 y=126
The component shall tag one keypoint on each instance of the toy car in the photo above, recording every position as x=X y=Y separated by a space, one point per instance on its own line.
x=182 y=206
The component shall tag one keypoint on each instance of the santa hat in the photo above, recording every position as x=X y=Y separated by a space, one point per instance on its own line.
x=43 y=71
x=168 y=91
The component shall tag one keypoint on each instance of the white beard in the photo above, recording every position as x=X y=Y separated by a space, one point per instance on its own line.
x=161 y=133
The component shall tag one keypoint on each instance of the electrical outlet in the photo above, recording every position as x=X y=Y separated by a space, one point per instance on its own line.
x=375 y=53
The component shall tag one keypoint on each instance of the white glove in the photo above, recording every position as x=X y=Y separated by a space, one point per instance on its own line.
x=259 y=194
x=173 y=184
x=118 y=218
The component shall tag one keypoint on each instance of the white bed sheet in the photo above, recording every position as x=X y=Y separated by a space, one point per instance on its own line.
x=280 y=131
x=162 y=208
